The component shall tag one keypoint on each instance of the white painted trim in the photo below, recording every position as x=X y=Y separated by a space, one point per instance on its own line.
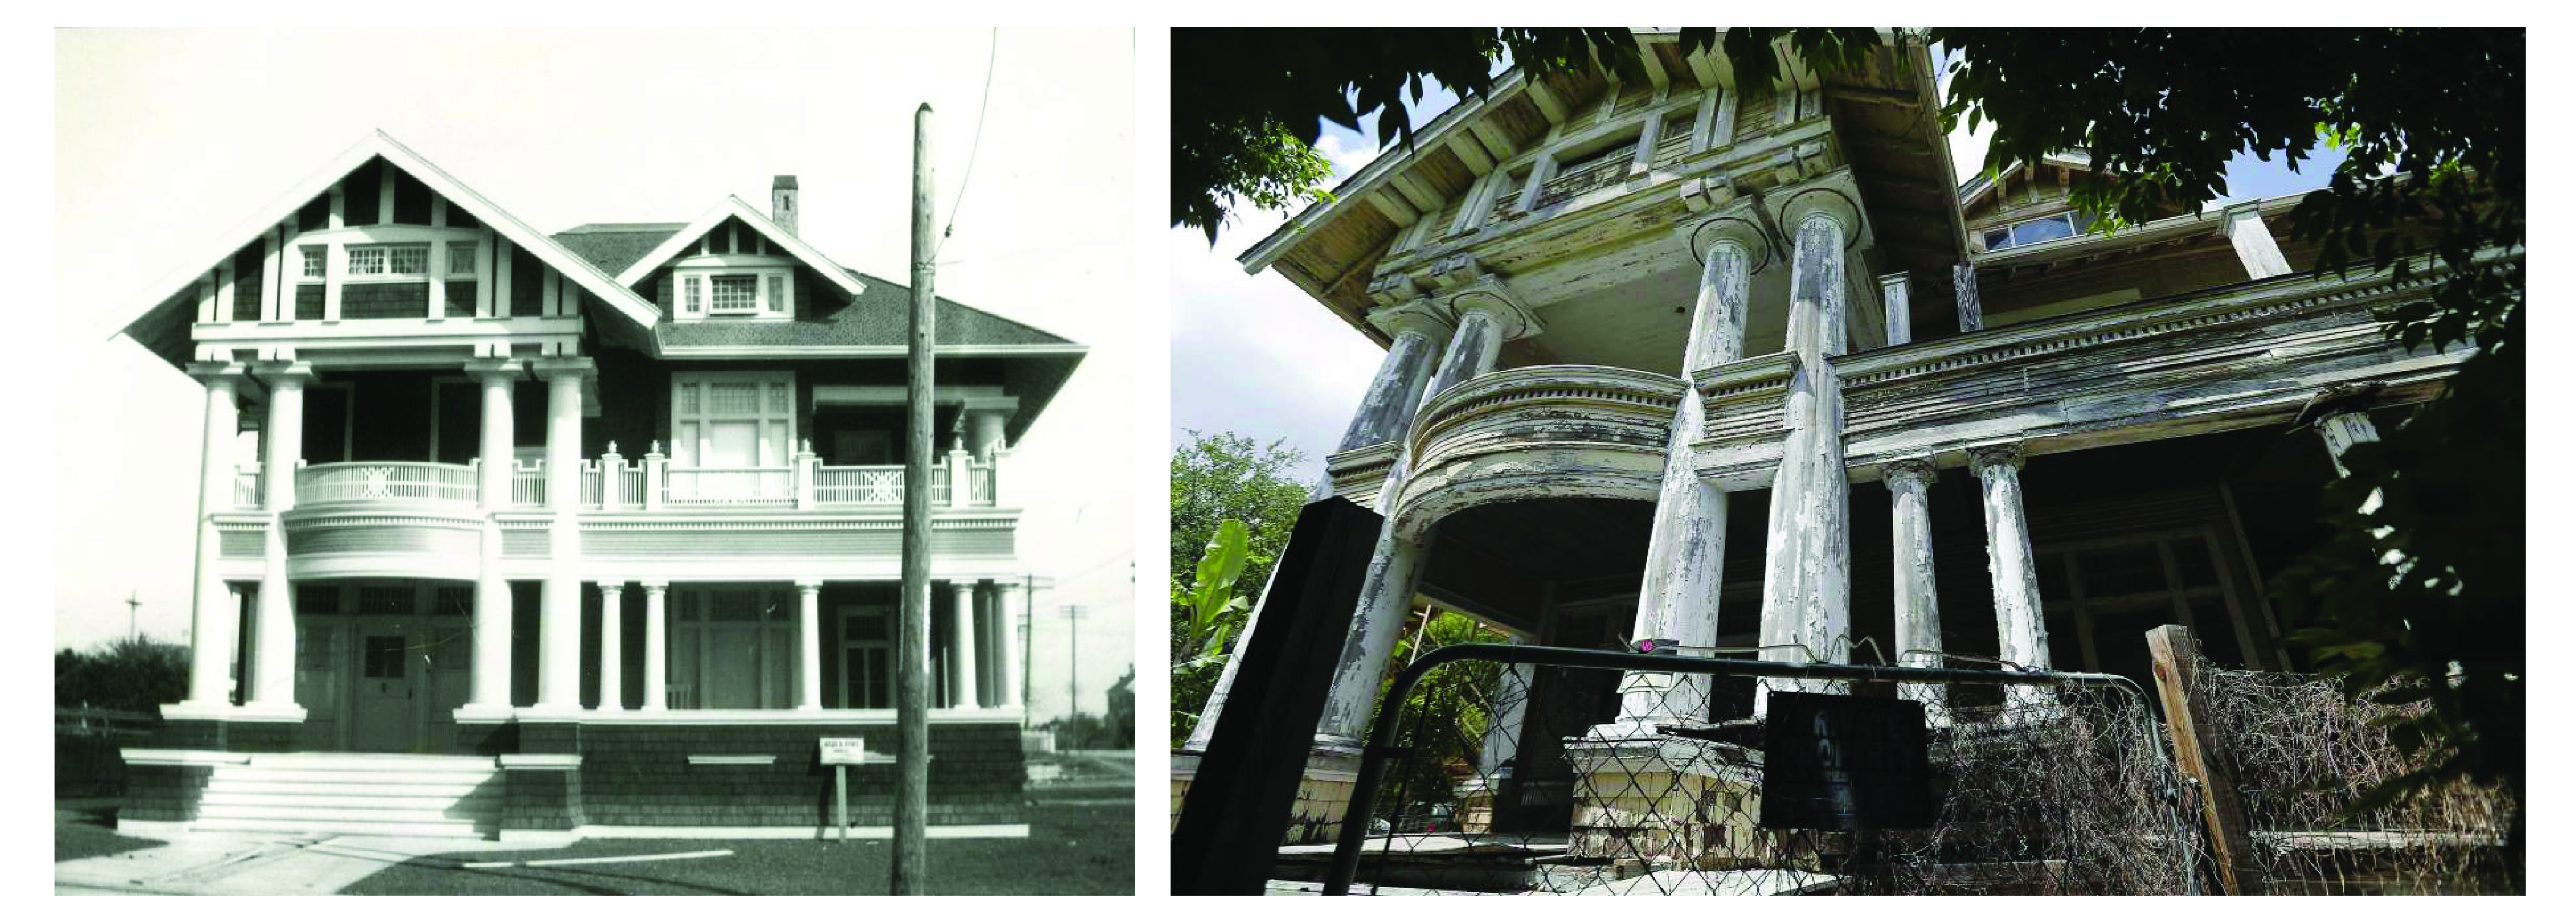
x=687 y=352
x=378 y=143
x=732 y=760
x=993 y=715
x=734 y=207
x=161 y=757
x=936 y=832
x=540 y=761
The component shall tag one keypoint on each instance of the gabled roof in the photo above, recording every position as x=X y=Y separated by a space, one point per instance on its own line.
x=379 y=144
x=876 y=322
x=613 y=247
x=671 y=246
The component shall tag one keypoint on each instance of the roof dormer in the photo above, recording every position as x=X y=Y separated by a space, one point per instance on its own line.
x=736 y=265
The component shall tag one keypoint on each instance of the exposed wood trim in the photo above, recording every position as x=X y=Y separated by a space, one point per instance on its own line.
x=548 y=295
x=437 y=210
x=501 y=276
x=273 y=277
x=1393 y=206
x=734 y=207
x=486 y=254
x=384 y=196
x=1721 y=133
x=339 y=205
x=1471 y=153
x=1422 y=196
x=1549 y=106
x=1494 y=138
x=1654 y=65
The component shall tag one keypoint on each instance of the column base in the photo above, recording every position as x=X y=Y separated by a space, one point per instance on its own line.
x=552 y=710
x=1324 y=794
x=484 y=712
x=197 y=709
x=267 y=712
x=1653 y=804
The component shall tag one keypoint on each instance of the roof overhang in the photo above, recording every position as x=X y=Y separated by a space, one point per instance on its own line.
x=379 y=144
x=734 y=207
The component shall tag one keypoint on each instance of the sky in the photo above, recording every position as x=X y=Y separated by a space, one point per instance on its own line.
x=1256 y=356
x=166 y=141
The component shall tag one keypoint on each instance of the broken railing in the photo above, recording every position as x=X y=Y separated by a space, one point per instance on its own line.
x=1512 y=769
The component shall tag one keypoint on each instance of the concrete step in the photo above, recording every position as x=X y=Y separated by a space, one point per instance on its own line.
x=313 y=800
x=405 y=763
x=367 y=815
x=369 y=790
x=467 y=829
x=356 y=777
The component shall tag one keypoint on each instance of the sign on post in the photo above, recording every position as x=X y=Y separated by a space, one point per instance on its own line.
x=840 y=753
x=1845 y=763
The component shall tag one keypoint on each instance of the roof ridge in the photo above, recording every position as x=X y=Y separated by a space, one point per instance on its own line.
x=864 y=276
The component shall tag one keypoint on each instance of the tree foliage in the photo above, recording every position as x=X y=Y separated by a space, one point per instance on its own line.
x=127 y=675
x=1219 y=478
x=1247 y=95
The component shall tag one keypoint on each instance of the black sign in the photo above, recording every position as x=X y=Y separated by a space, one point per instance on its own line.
x=1845 y=763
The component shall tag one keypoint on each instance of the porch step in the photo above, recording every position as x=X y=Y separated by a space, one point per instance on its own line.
x=376 y=794
x=468 y=829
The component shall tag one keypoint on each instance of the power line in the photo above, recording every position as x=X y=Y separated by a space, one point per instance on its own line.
x=991 y=52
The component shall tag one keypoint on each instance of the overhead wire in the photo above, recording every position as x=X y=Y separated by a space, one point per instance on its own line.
x=993 y=51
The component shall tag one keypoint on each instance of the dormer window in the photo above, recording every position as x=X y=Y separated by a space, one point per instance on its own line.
x=2052 y=227
x=382 y=263
x=753 y=287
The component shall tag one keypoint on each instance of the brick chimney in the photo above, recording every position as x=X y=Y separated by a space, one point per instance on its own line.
x=782 y=203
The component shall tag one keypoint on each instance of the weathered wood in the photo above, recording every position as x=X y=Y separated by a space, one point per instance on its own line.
x=1964 y=277
x=1806 y=581
x=2020 y=632
x=911 y=862
x=2195 y=745
x=1898 y=301
x=1918 y=611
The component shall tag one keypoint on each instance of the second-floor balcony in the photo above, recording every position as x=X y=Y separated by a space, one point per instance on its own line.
x=614 y=483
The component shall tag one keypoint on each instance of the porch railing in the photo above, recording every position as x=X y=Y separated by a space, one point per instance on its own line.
x=348 y=482
x=979 y=484
x=246 y=487
x=706 y=485
x=858 y=485
x=528 y=484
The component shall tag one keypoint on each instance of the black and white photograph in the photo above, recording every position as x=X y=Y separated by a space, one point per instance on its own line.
x=570 y=461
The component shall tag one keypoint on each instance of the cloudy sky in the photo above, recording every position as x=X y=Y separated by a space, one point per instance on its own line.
x=1256 y=356
x=166 y=141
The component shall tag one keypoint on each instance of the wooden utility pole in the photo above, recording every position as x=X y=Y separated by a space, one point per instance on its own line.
x=2195 y=745
x=912 y=651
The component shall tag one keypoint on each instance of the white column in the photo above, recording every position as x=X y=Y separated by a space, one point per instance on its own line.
x=612 y=664
x=1806 y=596
x=657 y=648
x=492 y=601
x=2255 y=247
x=809 y=640
x=1896 y=295
x=1010 y=600
x=1918 y=611
x=2021 y=634
x=960 y=488
x=1686 y=549
x=559 y=627
x=273 y=665
x=961 y=646
x=1385 y=414
x=2341 y=431
x=213 y=612
x=1386 y=593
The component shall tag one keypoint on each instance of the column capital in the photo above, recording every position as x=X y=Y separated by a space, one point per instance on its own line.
x=654 y=587
x=553 y=369
x=1419 y=316
x=1740 y=225
x=1489 y=294
x=611 y=587
x=1825 y=201
x=1916 y=469
x=492 y=370
x=809 y=585
x=285 y=374
x=211 y=371
x=1981 y=459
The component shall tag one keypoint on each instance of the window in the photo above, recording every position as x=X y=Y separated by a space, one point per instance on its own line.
x=374 y=262
x=313 y=262
x=736 y=291
x=721 y=419
x=736 y=294
x=460 y=259
x=867 y=657
x=2052 y=227
x=733 y=648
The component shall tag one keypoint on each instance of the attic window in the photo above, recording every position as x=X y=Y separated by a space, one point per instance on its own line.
x=2052 y=227
x=735 y=291
x=460 y=259
x=378 y=262
x=736 y=294
x=313 y=262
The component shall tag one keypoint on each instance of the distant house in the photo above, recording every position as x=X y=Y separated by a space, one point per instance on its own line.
x=588 y=533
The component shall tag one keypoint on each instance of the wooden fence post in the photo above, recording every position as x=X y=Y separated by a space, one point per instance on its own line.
x=2195 y=744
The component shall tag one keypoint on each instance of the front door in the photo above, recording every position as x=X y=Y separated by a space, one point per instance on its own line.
x=384 y=717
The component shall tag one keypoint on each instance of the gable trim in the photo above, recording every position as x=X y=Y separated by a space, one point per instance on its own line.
x=733 y=206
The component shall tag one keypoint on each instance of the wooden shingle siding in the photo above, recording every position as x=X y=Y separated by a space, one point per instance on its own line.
x=640 y=775
x=460 y=298
x=248 y=279
x=243 y=544
x=411 y=201
x=527 y=279
x=393 y=538
x=381 y=300
x=1754 y=114
x=308 y=301
x=359 y=206
x=315 y=215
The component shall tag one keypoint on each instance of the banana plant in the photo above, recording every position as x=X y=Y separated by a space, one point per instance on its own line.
x=1210 y=596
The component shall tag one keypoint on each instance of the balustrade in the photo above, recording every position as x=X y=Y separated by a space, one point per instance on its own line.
x=385 y=481
x=246 y=487
x=528 y=484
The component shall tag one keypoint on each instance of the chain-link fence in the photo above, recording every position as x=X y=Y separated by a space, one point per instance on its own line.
x=1529 y=770
x=2302 y=756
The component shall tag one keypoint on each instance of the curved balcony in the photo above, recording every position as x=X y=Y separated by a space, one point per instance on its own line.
x=330 y=483
x=1539 y=432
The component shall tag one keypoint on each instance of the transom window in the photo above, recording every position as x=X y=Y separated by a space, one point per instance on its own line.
x=409 y=260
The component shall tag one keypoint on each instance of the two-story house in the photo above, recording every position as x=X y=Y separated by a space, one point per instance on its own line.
x=1742 y=366
x=575 y=534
